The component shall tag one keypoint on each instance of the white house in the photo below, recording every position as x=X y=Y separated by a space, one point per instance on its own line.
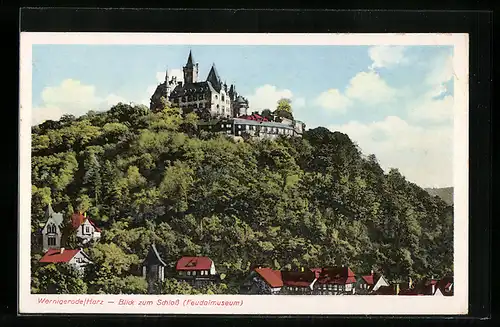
x=370 y=283
x=52 y=230
x=85 y=228
x=76 y=258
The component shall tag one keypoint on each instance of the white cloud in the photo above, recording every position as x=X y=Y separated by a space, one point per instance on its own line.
x=422 y=155
x=333 y=101
x=433 y=110
x=441 y=70
x=433 y=106
x=71 y=97
x=387 y=56
x=369 y=87
x=267 y=97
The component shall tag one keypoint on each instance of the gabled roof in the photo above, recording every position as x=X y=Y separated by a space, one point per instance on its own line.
x=56 y=217
x=55 y=255
x=94 y=225
x=153 y=256
x=194 y=263
x=77 y=219
x=214 y=79
x=298 y=278
x=337 y=275
x=270 y=276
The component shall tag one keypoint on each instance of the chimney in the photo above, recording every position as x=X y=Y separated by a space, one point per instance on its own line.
x=62 y=250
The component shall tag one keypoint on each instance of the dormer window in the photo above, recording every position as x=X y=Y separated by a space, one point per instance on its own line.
x=51 y=229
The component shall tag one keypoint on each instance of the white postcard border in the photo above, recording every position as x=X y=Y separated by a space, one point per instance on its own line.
x=251 y=304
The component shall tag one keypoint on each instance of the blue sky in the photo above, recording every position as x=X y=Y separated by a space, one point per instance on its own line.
x=395 y=102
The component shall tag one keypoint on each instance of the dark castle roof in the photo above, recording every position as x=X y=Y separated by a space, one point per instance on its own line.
x=214 y=79
x=190 y=62
x=194 y=88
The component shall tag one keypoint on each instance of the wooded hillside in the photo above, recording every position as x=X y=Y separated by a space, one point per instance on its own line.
x=314 y=201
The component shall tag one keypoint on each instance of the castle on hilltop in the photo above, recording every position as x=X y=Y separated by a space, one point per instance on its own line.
x=220 y=109
x=211 y=97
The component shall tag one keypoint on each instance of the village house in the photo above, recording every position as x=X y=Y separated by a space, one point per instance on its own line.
x=153 y=268
x=370 y=283
x=86 y=230
x=334 y=281
x=298 y=282
x=432 y=287
x=76 y=258
x=197 y=271
x=445 y=286
x=263 y=281
x=52 y=230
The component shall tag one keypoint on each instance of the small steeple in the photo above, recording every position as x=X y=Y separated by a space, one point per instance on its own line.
x=49 y=212
x=166 y=75
x=190 y=61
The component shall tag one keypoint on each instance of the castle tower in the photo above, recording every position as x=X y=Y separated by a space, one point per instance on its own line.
x=168 y=86
x=190 y=70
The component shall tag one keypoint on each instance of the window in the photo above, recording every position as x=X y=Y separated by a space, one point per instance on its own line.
x=183 y=99
x=217 y=106
x=190 y=98
x=51 y=228
x=189 y=273
x=87 y=229
x=223 y=99
x=200 y=97
x=228 y=125
x=194 y=273
x=246 y=127
x=51 y=241
x=216 y=97
x=176 y=100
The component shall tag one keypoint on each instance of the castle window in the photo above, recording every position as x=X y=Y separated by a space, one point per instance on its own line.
x=223 y=99
x=190 y=98
x=217 y=106
x=51 y=241
x=183 y=99
x=200 y=97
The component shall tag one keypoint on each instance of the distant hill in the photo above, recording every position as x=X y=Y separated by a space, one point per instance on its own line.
x=445 y=193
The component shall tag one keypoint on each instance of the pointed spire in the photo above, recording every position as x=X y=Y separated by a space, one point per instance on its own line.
x=49 y=211
x=166 y=75
x=190 y=61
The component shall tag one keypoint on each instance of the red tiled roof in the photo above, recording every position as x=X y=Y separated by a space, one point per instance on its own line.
x=270 y=276
x=337 y=275
x=55 y=255
x=77 y=219
x=194 y=263
x=369 y=279
x=298 y=278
